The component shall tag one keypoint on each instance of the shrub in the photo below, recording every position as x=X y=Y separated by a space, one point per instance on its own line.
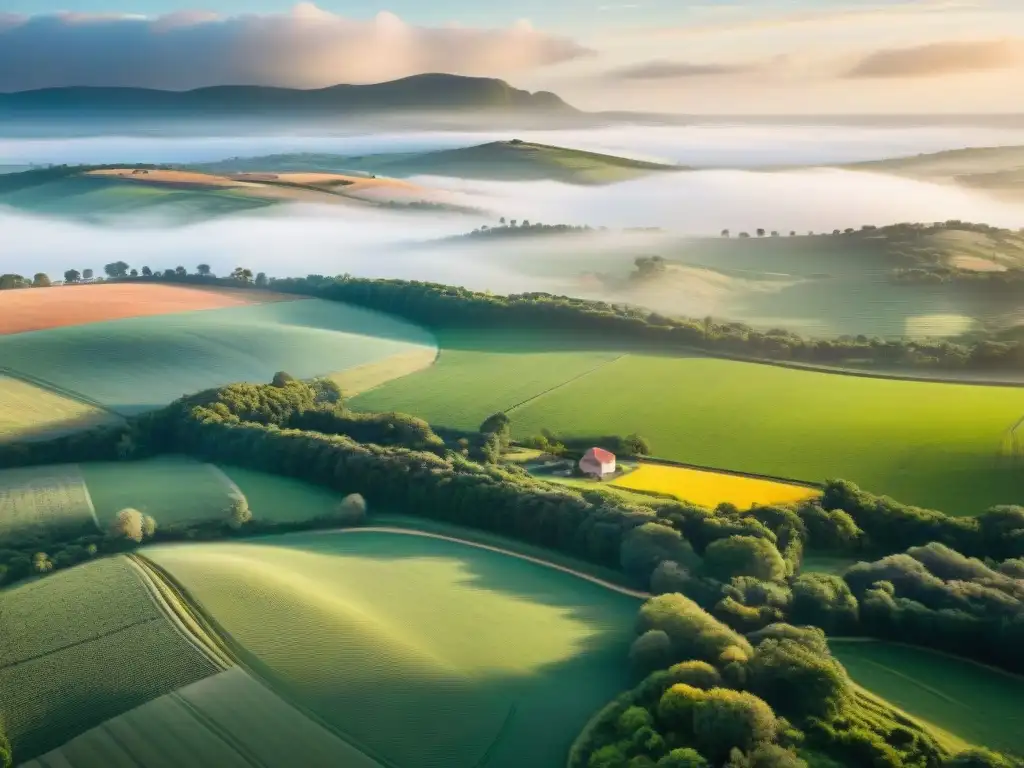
x=352 y=510
x=646 y=546
x=129 y=524
x=677 y=706
x=694 y=633
x=238 y=512
x=282 y=379
x=698 y=674
x=683 y=758
x=744 y=556
x=723 y=719
x=651 y=651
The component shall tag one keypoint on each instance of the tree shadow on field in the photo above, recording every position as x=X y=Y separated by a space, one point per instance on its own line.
x=518 y=718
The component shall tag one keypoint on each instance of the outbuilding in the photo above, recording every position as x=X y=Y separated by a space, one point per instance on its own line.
x=597 y=462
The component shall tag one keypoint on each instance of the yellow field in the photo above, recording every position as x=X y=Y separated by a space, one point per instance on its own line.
x=710 y=489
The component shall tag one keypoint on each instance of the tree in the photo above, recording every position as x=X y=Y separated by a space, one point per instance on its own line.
x=502 y=221
x=242 y=275
x=760 y=232
x=352 y=510
x=261 y=280
x=72 y=276
x=978 y=758
x=723 y=719
x=116 y=269
x=744 y=556
x=87 y=274
x=683 y=757
x=238 y=512
x=608 y=756
x=10 y=281
x=41 y=563
x=134 y=273
x=148 y=526
x=282 y=379
x=725 y=233
x=651 y=651
x=204 y=270
x=636 y=445
x=180 y=271
x=647 y=545
x=129 y=524
x=41 y=280
x=147 y=272
x=170 y=273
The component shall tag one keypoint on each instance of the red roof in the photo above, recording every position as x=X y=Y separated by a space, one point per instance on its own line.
x=600 y=454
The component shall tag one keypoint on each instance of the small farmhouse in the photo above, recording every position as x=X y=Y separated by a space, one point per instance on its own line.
x=597 y=462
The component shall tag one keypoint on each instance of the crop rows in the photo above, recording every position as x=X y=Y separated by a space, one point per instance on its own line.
x=37 y=499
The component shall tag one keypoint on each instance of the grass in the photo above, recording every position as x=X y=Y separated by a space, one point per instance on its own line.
x=709 y=489
x=28 y=412
x=363 y=378
x=832 y=564
x=137 y=364
x=420 y=651
x=172 y=489
x=81 y=646
x=45 y=499
x=282 y=499
x=228 y=720
x=974 y=703
x=935 y=445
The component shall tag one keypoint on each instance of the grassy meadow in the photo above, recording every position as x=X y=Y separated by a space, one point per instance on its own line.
x=416 y=650
x=228 y=720
x=935 y=445
x=81 y=646
x=28 y=412
x=172 y=489
x=137 y=364
x=977 y=704
x=709 y=489
x=282 y=499
x=44 y=499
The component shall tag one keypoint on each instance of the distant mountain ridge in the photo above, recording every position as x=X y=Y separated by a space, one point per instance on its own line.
x=417 y=93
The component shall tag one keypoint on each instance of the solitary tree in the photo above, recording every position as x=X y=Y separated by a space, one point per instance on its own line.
x=87 y=274
x=180 y=272
x=129 y=524
x=261 y=280
x=242 y=275
x=725 y=233
x=134 y=273
x=72 y=276
x=760 y=232
x=238 y=512
x=282 y=379
x=352 y=510
x=9 y=281
x=41 y=280
x=41 y=563
x=204 y=270
x=147 y=272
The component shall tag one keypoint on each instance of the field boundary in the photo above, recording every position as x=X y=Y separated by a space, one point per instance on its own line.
x=529 y=558
x=720 y=471
x=241 y=658
x=568 y=381
x=56 y=389
x=944 y=654
x=231 y=484
x=88 y=498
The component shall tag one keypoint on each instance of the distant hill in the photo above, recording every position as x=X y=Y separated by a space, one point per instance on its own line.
x=998 y=170
x=429 y=92
x=501 y=160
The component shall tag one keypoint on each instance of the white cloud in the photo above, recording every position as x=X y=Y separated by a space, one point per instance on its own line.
x=308 y=47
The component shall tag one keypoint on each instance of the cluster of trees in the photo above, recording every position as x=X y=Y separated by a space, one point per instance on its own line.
x=512 y=228
x=10 y=281
x=711 y=696
x=1006 y=281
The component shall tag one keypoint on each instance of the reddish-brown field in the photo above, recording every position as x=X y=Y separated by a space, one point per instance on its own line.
x=36 y=309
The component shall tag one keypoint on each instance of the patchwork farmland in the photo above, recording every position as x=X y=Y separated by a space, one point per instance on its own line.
x=348 y=625
x=44 y=499
x=936 y=445
x=142 y=363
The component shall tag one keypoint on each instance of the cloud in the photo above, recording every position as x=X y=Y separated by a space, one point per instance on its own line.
x=937 y=59
x=307 y=48
x=668 y=70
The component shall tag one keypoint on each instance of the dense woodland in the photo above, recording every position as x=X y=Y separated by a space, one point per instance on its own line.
x=751 y=688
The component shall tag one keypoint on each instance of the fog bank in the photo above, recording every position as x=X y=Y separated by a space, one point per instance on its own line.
x=728 y=144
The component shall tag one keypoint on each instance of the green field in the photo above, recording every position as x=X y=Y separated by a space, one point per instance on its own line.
x=81 y=646
x=282 y=499
x=91 y=197
x=138 y=364
x=227 y=720
x=419 y=650
x=28 y=412
x=172 y=489
x=975 y=703
x=499 y=160
x=936 y=445
x=51 y=498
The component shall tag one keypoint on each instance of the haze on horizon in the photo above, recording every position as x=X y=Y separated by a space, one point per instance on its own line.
x=769 y=57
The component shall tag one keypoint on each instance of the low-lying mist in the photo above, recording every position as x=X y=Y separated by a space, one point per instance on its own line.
x=723 y=144
x=298 y=239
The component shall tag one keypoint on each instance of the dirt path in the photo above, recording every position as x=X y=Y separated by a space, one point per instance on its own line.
x=579 y=574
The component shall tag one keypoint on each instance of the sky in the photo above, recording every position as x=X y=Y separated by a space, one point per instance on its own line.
x=687 y=56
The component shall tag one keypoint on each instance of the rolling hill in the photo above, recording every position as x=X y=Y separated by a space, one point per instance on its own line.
x=417 y=93
x=511 y=160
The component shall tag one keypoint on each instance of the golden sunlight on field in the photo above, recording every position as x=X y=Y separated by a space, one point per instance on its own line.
x=711 y=488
